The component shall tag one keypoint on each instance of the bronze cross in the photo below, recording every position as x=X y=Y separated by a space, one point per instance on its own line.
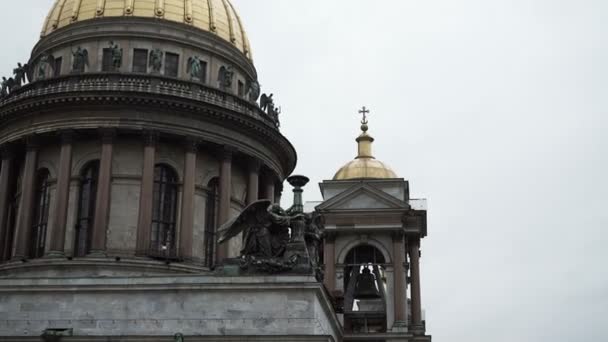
x=364 y=111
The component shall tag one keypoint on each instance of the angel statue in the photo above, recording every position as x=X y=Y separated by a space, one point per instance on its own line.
x=81 y=59
x=265 y=227
x=266 y=102
x=195 y=68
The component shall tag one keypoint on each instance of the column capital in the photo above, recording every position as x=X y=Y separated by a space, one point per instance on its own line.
x=7 y=151
x=32 y=142
x=191 y=144
x=227 y=152
x=150 y=137
x=107 y=135
x=398 y=235
x=67 y=136
x=254 y=164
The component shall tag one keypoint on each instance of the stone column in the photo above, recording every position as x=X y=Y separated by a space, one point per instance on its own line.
x=414 y=253
x=104 y=189
x=225 y=195
x=400 y=287
x=253 y=185
x=146 y=193
x=5 y=184
x=26 y=206
x=329 y=257
x=62 y=195
x=269 y=190
x=186 y=233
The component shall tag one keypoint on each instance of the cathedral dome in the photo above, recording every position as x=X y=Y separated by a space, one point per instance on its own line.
x=216 y=16
x=365 y=166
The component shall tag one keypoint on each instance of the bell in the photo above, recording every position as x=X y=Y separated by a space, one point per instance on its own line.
x=366 y=286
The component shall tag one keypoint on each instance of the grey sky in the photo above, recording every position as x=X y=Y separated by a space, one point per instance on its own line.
x=496 y=111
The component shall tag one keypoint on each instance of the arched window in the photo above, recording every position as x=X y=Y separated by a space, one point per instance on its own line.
x=365 y=290
x=164 y=208
x=86 y=207
x=41 y=215
x=210 y=221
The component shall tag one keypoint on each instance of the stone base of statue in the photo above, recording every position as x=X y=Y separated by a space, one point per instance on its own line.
x=298 y=254
x=294 y=261
x=251 y=265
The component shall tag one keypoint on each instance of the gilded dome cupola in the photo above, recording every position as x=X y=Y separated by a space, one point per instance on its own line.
x=365 y=166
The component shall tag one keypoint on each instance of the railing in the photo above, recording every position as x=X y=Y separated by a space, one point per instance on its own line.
x=148 y=84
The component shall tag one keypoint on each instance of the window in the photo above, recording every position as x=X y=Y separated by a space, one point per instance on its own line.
x=41 y=215
x=164 y=207
x=86 y=207
x=241 y=89
x=140 y=61
x=210 y=221
x=106 y=62
x=57 y=66
x=171 y=64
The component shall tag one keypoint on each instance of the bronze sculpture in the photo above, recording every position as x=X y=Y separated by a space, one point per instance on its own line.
x=20 y=75
x=195 y=68
x=81 y=59
x=265 y=227
x=116 y=53
x=225 y=77
x=156 y=60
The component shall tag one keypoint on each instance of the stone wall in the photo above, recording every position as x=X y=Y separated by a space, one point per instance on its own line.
x=192 y=305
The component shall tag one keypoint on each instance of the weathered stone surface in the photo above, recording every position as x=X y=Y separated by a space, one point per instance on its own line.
x=146 y=306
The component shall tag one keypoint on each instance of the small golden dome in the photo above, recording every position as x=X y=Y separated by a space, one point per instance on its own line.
x=365 y=166
x=216 y=16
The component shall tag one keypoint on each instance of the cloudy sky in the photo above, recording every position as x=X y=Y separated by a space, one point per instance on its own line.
x=496 y=111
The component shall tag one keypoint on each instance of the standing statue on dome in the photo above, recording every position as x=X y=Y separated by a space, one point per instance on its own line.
x=195 y=68
x=266 y=101
x=81 y=60
x=20 y=75
x=116 y=53
x=5 y=87
x=156 y=60
x=225 y=77
x=43 y=64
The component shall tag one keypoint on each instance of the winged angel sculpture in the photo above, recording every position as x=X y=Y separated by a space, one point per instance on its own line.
x=265 y=228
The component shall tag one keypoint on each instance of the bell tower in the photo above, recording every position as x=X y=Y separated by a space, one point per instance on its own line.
x=371 y=255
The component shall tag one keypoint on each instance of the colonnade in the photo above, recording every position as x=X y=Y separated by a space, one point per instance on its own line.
x=56 y=248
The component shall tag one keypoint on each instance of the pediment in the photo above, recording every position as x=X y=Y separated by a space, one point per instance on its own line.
x=362 y=197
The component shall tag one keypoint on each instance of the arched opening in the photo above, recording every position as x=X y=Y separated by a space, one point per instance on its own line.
x=365 y=290
x=211 y=221
x=164 y=212
x=89 y=177
x=41 y=215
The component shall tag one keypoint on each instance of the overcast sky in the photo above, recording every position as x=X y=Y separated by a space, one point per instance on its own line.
x=496 y=111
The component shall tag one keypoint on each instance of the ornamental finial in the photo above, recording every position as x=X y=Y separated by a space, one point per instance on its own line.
x=364 y=111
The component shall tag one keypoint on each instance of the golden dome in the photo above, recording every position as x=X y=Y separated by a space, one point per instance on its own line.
x=216 y=16
x=365 y=166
